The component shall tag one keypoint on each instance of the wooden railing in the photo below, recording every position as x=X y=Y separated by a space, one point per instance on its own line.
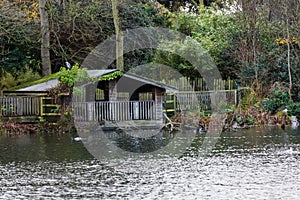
x=19 y=106
x=114 y=110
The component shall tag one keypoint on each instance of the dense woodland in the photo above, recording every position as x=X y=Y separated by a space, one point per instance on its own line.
x=256 y=43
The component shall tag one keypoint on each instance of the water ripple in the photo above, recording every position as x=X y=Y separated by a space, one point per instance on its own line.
x=246 y=167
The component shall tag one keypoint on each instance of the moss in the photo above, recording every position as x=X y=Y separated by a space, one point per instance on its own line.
x=28 y=84
x=111 y=76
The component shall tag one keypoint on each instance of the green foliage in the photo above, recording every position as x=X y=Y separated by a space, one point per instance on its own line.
x=230 y=109
x=214 y=31
x=255 y=50
x=157 y=15
x=180 y=54
x=19 y=36
x=76 y=27
x=28 y=75
x=202 y=114
x=111 y=76
x=192 y=5
x=250 y=120
x=85 y=24
x=183 y=22
x=294 y=109
x=241 y=43
x=211 y=28
x=249 y=97
x=7 y=81
x=73 y=75
x=20 y=79
x=276 y=100
x=34 y=82
x=17 y=58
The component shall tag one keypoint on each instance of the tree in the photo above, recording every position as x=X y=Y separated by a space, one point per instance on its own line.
x=19 y=36
x=249 y=44
x=290 y=19
x=119 y=35
x=76 y=27
x=88 y=23
x=253 y=46
x=285 y=15
x=45 y=39
x=213 y=30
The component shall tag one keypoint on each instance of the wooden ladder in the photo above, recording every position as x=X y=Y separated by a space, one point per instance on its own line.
x=50 y=109
x=169 y=104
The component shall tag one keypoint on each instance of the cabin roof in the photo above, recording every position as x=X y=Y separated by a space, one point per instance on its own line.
x=45 y=86
x=149 y=81
x=41 y=87
x=100 y=72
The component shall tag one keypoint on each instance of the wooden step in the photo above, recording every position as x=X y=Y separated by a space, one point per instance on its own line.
x=51 y=114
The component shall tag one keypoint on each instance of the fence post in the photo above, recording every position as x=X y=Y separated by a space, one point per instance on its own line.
x=235 y=98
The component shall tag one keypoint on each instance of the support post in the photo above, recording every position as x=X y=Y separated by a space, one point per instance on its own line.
x=158 y=105
x=112 y=85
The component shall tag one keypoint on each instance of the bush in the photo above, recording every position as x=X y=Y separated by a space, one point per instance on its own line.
x=73 y=75
x=294 y=109
x=276 y=100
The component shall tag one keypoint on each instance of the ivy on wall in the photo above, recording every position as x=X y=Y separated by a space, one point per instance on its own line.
x=111 y=76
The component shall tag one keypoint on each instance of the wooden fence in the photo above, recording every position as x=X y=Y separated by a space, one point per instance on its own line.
x=19 y=106
x=203 y=100
x=114 y=110
x=200 y=84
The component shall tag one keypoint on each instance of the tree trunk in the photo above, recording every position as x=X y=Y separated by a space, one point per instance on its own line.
x=119 y=36
x=289 y=59
x=201 y=3
x=45 y=39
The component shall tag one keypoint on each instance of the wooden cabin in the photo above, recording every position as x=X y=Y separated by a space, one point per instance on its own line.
x=129 y=97
x=125 y=98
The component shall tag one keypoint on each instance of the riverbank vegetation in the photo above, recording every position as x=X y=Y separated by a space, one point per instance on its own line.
x=255 y=43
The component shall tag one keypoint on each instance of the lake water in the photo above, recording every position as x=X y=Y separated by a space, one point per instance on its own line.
x=247 y=164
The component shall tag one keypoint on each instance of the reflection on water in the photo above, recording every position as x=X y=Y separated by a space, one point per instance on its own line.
x=253 y=163
x=142 y=141
x=41 y=148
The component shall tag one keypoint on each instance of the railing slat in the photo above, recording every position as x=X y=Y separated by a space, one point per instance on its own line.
x=114 y=110
x=19 y=106
x=203 y=99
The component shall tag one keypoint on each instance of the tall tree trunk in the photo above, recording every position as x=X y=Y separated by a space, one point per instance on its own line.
x=200 y=6
x=45 y=39
x=289 y=58
x=254 y=38
x=119 y=36
x=201 y=3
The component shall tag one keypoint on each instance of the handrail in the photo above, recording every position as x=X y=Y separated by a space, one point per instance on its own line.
x=114 y=110
x=19 y=106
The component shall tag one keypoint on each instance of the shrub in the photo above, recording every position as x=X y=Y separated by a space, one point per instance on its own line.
x=294 y=109
x=73 y=75
x=276 y=100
